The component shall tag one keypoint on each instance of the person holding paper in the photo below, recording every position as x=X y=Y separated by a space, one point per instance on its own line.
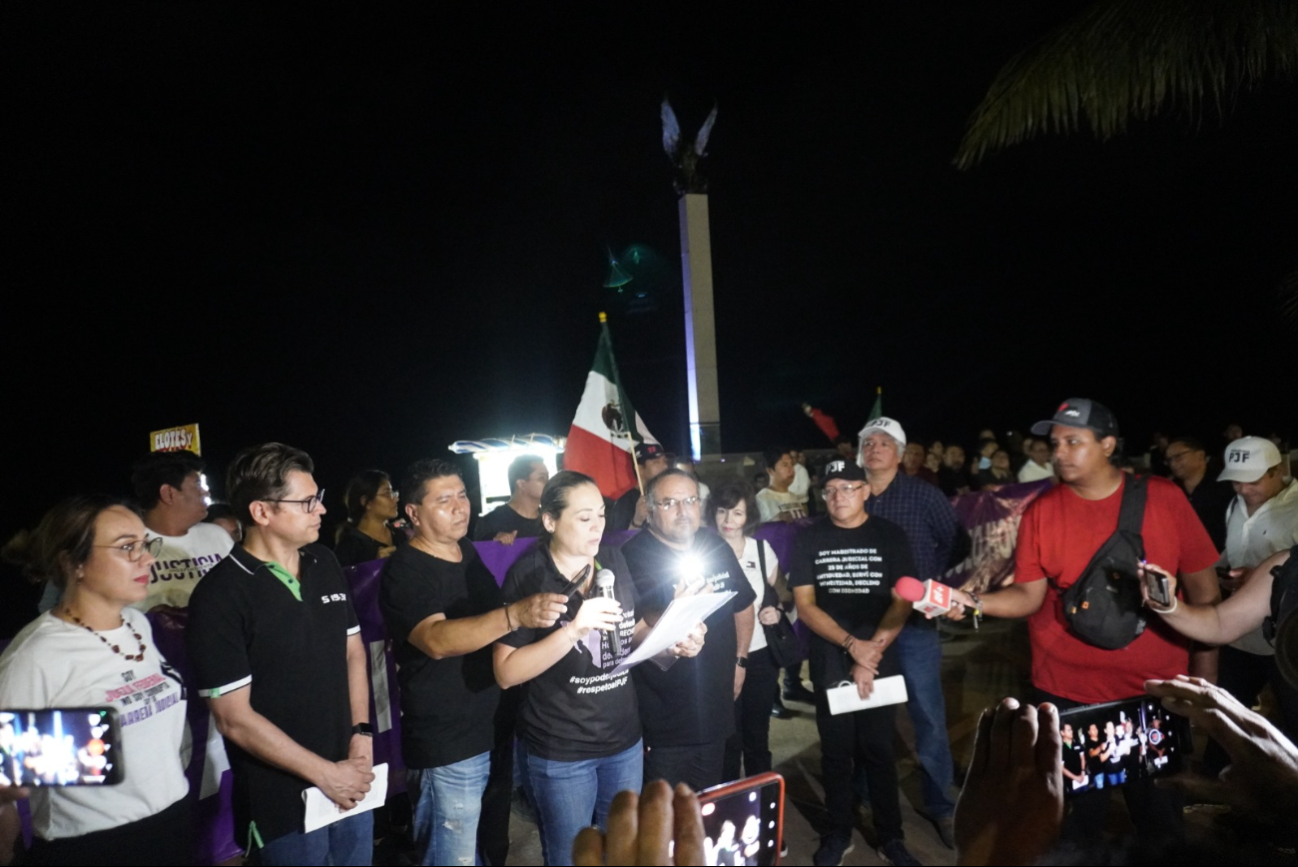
x=276 y=649
x=689 y=709
x=843 y=570
x=579 y=719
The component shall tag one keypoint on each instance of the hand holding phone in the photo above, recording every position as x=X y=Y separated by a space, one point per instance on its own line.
x=1157 y=585
x=743 y=821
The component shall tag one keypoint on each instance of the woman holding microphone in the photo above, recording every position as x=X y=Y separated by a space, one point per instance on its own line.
x=579 y=721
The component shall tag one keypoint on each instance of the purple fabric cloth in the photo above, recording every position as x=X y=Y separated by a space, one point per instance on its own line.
x=992 y=519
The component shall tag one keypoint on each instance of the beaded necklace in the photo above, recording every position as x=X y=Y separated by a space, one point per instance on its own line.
x=138 y=657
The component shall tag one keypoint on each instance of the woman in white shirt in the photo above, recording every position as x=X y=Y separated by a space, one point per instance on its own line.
x=93 y=650
x=732 y=511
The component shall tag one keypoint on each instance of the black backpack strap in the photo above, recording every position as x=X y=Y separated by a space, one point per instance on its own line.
x=1131 y=514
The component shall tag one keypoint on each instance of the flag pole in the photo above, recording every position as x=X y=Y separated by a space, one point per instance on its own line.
x=630 y=423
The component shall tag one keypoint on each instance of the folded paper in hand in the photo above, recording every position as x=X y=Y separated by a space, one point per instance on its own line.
x=674 y=626
x=845 y=699
x=320 y=811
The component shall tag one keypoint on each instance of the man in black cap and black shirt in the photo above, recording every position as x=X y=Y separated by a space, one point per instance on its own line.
x=843 y=571
x=630 y=511
x=521 y=516
x=688 y=710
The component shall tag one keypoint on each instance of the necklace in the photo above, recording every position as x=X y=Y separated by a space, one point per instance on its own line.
x=139 y=657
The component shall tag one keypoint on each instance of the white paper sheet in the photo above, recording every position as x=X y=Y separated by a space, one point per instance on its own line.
x=321 y=811
x=675 y=625
x=887 y=690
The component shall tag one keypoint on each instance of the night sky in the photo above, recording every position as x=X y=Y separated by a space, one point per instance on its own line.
x=370 y=234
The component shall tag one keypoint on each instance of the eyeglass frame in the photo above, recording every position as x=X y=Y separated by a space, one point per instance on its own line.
x=152 y=546
x=842 y=490
x=309 y=505
x=671 y=503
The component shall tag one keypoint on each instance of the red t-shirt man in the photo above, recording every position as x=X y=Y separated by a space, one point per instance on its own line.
x=1059 y=534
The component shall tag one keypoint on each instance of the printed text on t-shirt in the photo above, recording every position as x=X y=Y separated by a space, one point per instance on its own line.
x=848 y=570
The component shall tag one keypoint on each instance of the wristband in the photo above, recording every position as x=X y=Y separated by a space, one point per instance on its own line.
x=363 y=729
x=511 y=626
x=1175 y=604
x=741 y=661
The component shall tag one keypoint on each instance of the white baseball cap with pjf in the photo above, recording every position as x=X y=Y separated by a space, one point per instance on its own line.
x=1248 y=459
x=883 y=424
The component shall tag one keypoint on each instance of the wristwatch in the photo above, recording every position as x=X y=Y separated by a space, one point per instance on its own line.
x=741 y=661
x=363 y=729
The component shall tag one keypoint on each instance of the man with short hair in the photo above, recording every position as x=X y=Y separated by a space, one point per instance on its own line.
x=951 y=476
x=688 y=710
x=631 y=511
x=937 y=541
x=1059 y=535
x=775 y=501
x=1261 y=521
x=443 y=610
x=276 y=650
x=1187 y=458
x=1038 y=466
x=912 y=464
x=169 y=487
x=843 y=572
x=521 y=516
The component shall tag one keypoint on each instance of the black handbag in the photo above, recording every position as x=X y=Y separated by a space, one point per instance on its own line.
x=1103 y=606
x=780 y=639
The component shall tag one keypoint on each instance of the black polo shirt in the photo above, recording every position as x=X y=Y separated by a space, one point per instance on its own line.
x=248 y=630
x=1210 y=501
x=692 y=702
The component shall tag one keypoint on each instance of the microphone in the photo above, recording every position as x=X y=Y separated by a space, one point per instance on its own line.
x=609 y=641
x=929 y=597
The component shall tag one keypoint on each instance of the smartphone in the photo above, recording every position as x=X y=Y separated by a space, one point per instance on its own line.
x=1109 y=745
x=1157 y=587
x=71 y=746
x=743 y=821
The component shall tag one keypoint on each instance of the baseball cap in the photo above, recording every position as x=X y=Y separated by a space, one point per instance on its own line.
x=848 y=471
x=883 y=424
x=1080 y=412
x=1248 y=459
x=645 y=452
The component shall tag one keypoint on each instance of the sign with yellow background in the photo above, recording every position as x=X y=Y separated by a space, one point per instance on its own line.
x=176 y=439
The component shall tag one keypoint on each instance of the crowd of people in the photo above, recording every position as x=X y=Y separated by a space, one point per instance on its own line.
x=524 y=682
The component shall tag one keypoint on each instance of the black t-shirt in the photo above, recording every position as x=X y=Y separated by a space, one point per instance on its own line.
x=447 y=705
x=853 y=572
x=1074 y=760
x=504 y=519
x=576 y=709
x=692 y=702
x=623 y=511
x=951 y=481
x=355 y=547
x=1210 y=501
x=247 y=629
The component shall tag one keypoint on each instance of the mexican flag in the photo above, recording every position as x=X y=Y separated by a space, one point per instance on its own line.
x=601 y=443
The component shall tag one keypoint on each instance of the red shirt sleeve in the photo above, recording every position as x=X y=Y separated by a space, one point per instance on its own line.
x=1027 y=553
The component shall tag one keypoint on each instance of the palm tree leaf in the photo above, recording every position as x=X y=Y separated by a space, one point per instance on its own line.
x=1131 y=59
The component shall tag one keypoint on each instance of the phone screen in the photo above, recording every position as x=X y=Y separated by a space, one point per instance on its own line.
x=60 y=747
x=1109 y=745
x=743 y=821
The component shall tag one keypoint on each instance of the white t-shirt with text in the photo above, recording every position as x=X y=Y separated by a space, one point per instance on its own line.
x=182 y=561
x=54 y=664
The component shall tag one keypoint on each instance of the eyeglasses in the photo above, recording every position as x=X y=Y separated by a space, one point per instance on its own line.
x=669 y=504
x=134 y=551
x=1176 y=457
x=309 y=505
x=842 y=490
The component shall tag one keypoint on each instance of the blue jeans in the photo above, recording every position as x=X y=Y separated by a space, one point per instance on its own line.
x=448 y=801
x=570 y=796
x=348 y=841
x=919 y=653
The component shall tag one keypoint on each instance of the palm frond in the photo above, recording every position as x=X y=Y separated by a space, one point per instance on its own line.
x=1131 y=59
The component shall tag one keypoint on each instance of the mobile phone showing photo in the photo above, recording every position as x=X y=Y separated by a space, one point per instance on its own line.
x=60 y=747
x=1109 y=745
x=743 y=821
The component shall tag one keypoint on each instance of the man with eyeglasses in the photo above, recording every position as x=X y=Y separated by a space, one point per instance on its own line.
x=1187 y=458
x=842 y=571
x=938 y=541
x=688 y=710
x=277 y=652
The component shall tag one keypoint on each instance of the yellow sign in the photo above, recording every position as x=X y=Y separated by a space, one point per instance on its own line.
x=176 y=439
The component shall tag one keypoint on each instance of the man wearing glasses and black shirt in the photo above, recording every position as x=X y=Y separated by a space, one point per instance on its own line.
x=688 y=710
x=843 y=571
x=277 y=652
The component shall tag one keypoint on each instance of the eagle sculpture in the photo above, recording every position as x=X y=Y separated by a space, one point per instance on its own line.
x=686 y=157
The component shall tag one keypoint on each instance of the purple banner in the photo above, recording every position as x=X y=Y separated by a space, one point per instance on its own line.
x=992 y=519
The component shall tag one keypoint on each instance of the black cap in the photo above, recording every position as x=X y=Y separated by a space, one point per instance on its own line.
x=848 y=471
x=645 y=452
x=1081 y=412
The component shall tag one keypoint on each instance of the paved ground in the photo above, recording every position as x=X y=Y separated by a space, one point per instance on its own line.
x=977 y=669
